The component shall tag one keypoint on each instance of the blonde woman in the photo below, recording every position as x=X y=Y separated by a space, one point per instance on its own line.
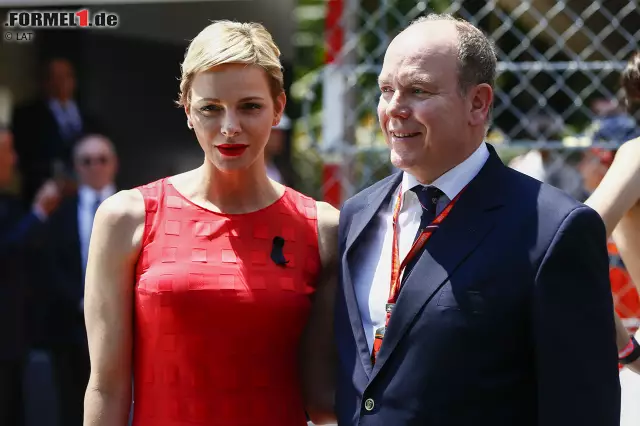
x=617 y=200
x=213 y=288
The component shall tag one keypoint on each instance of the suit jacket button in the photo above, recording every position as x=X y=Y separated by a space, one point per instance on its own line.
x=369 y=404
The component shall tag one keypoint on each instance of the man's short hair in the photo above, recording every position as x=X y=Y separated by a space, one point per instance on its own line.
x=88 y=136
x=477 y=59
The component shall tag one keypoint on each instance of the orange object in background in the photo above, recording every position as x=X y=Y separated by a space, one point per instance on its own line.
x=625 y=294
x=626 y=299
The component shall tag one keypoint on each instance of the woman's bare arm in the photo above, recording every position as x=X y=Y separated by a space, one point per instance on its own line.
x=318 y=357
x=619 y=190
x=113 y=252
x=617 y=200
x=627 y=238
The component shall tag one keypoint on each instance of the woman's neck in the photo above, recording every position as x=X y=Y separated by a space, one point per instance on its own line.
x=240 y=191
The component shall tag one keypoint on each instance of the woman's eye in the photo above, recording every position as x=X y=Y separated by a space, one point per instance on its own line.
x=209 y=108
x=252 y=106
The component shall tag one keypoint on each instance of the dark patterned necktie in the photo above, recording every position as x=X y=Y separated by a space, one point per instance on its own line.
x=428 y=197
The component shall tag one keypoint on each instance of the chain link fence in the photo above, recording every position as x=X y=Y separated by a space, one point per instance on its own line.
x=558 y=77
x=556 y=94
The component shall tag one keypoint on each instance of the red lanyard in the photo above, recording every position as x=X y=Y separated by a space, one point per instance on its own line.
x=396 y=266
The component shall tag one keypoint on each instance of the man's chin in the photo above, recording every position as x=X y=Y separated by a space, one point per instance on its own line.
x=400 y=162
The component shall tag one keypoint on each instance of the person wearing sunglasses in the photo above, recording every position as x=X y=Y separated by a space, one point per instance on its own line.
x=96 y=165
x=47 y=127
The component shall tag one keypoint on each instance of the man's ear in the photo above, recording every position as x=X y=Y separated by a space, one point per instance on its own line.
x=481 y=98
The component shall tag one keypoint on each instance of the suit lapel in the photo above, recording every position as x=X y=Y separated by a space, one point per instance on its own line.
x=358 y=223
x=470 y=221
x=362 y=218
x=51 y=129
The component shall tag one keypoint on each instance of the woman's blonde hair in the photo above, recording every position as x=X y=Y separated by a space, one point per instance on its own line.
x=227 y=42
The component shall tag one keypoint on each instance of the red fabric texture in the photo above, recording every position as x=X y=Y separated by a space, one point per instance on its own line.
x=217 y=323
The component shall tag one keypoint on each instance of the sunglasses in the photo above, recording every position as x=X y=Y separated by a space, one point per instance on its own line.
x=100 y=159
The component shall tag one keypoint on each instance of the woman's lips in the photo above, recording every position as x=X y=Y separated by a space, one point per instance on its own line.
x=232 y=149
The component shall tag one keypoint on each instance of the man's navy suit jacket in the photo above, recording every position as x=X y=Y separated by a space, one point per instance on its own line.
x=505 y=320
x=21 y=236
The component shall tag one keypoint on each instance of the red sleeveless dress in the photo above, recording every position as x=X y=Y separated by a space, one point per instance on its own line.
x=217 y=322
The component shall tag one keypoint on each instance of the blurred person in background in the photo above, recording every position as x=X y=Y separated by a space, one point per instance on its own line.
x=46 y=129
x=617 y=199
x=96 y=165
x=214 y=287
x=594 y=167
x=614 y=122
x=547 y=165
x=19 y=229
x=616 y=183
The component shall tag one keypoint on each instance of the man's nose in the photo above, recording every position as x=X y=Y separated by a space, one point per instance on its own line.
x=397 y=106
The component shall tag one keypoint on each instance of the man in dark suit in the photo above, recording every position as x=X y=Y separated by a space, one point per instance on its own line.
x=96 y=165
x=19 y=231
x=46 y=129
x=505 y=316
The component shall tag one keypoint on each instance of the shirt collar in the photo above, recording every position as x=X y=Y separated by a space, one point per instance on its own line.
x=453 y=181
x=88 y=195
x=57 y=105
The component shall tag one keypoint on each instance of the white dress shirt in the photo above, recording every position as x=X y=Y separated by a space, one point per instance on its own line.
x=67 y=117
x=86 y=203
x=372 y=263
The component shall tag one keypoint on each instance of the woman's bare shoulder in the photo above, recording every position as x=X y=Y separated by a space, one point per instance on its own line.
x=328 y=217
x=631 y=147
x=121 y=215
x=123 y=205
x=625 y=169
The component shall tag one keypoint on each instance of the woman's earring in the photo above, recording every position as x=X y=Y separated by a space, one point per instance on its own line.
x=189 y=125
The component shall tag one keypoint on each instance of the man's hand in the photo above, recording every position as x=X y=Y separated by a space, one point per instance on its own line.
x=48 y=197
